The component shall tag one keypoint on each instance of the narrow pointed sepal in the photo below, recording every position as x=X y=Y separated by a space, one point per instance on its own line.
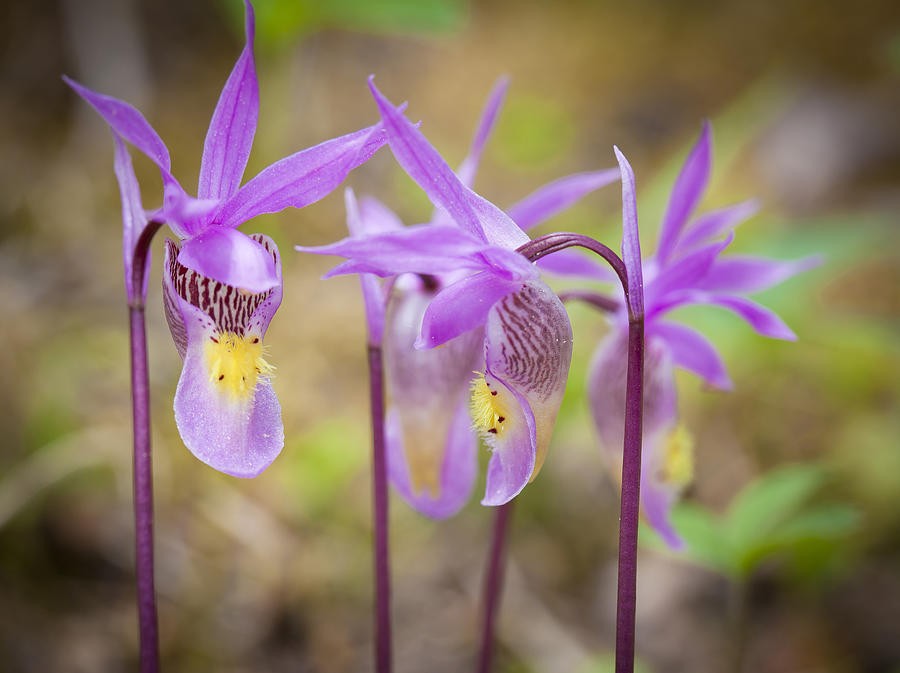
x=528 y=349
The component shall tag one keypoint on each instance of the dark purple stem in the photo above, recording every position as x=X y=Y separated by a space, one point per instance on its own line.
x=380 y=516
x=631 y=455
x=143 y=464
x=626 y=598
x=493 y=586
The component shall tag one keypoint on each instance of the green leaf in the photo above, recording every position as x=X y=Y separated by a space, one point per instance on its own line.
x=821 y=523
x=767 y=502
x=704 y=537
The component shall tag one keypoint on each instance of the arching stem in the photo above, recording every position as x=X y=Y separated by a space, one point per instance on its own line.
x=631 y=455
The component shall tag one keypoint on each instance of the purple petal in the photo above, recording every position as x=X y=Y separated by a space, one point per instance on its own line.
x=128 y=123
x=173 y=302
x=233 y=124
x=555 y=197
x=425 y=166
x=227 y=309
x=463 y=306
x=133 y=217
x=302 y=178
x=377 y=217
x=657 y=499
x=714 y=224
x=125 y=121
x=458 y=469
x=607 y=376
x=237 y=438
x=692 y=351
x=606 y=392
x=239 y=434
x=528 y=348
x=761 y=319
x=373 y=294
x=686 y=273
x=689 y=188
x=469 y=167
x=423 y=248
x=752 y=274
x=230 y=257
x=432 y=459
x=513 y=453
x=631 y=239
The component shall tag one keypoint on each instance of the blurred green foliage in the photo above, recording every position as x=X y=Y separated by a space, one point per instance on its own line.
x=772 y=517
x=279 y=23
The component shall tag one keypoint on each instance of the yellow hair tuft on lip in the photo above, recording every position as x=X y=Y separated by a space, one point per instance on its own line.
x=235 y=364
x=490 y=415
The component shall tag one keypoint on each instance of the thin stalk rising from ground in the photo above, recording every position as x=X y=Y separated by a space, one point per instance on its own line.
x=380 y=516
x=493 y=586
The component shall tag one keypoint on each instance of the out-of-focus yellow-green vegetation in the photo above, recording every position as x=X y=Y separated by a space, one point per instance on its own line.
x=273 y=574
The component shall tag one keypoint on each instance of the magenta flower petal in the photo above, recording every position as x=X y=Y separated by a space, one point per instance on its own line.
x=430 y=442
x=683 y=274
x=631 y=240
x=761 y=319
x=527 y=352
x=714 y=224
x=233 y=125
x=133 y=217
x=302 y=178
x=556 y=196
x=463 y=306
x=240 y=439
x=657 y=498
x=128 y=123
x=666 y=458
x=231 y=258
x=469 y=167
x=428 y=169
x=689 y=188
x=514 y=453
x=694 y=352
x=457 y=472
x=377 y=216
x=607 y=378
x=423 y=248
x=225 y=408
x=753 y=274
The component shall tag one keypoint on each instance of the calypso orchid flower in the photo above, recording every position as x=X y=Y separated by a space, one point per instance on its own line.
x=461 y=299
x=221 y=285
x=687 y=268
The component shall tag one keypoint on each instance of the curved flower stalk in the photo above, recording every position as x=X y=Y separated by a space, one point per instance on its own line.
x=463 y=299
x=687 y=268
x=217 y=257
x=207 y=223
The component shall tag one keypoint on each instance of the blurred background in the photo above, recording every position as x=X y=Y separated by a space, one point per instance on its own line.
x=793 y=520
